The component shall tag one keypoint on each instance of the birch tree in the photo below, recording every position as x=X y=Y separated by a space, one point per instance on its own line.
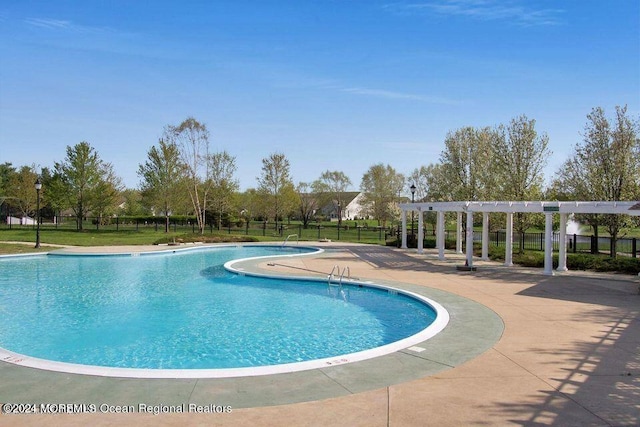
x=192 y=139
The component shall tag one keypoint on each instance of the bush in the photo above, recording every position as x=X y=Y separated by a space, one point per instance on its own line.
x=205 y=238
x=603 y=263
x=578 y=261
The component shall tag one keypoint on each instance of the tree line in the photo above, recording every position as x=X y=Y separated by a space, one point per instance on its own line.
x=183 y=175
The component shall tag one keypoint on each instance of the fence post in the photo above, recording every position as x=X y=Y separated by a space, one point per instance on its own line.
x=634 y=247
x=594 y=244
x=338 y=231
x=359 y=233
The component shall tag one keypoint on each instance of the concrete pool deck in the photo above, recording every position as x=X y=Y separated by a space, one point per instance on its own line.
x=569 y=355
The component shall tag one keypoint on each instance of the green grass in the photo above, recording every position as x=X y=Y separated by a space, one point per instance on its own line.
x=84 y=238
x=148 y=235
x=18 y=248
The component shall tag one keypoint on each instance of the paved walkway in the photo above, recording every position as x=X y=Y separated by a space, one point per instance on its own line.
x=569 y=355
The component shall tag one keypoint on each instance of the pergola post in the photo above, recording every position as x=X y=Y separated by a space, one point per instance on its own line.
x=508 y=251
x=404 y=229
x=485 y=236
x=548 y=243
x=440 y=236
x=562 y=255
x=420 y=232
x=469 y=239
x=458 y=232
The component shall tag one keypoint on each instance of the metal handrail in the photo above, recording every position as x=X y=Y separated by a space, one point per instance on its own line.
x=331 y=275
x=289 y=236
x=345 y=270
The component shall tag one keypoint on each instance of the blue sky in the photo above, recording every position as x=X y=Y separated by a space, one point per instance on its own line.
x=334 y=85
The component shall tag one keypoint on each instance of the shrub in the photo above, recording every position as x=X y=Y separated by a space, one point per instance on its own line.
x=205 y=238
x=577 y=261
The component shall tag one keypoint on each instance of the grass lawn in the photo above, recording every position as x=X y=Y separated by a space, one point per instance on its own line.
x=105 y=238
x=19 y=248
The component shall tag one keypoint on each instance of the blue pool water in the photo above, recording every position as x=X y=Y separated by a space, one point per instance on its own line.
x=183 y=310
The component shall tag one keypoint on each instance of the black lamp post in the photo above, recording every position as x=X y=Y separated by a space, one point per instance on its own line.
x=38 y=188
x=413 y=193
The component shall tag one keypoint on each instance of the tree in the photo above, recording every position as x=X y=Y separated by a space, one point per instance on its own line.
x=104 y=198
x=6 y=170
x=381 y=186
x=192 y=139
x=466 y=164
x=308 y=202
x=21 y=191
x=132 y=203
x=519 y=156
x=429 y=186
x=333 y=184
x=84 y=182
x=420 y=178
x=223 y=183
x=274 y=182
x=604 y=167
x=162 y=179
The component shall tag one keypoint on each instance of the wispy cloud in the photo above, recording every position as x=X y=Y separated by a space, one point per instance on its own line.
x=388 y=94
x=63 y=25
x=516 y=12
x=51 y=24
x=295 y=81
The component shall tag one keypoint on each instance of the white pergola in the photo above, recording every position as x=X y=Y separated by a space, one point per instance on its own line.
x=564 y=209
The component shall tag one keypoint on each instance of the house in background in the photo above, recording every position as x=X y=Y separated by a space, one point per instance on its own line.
x=352 y=207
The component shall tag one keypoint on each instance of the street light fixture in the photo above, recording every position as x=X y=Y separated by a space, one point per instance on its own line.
x=413 y=193
x=38 y=188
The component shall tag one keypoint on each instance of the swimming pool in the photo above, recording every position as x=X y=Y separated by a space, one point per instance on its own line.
x=181 y=313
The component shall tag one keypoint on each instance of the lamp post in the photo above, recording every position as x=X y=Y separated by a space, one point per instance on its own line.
x=38 y=188
x=413 y=193
x=339 y=218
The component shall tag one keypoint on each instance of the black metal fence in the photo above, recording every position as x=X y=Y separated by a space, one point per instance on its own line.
x=292 y=230
x=535 y=242
x=315 y=231
x=575 y=243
